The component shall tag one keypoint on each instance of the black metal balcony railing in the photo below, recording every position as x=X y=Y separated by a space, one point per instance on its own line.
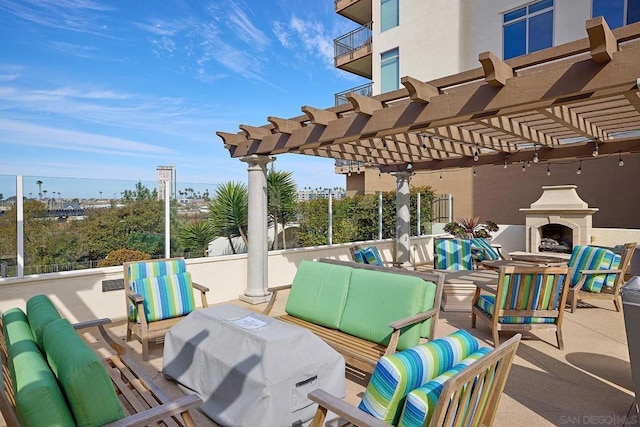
x=365 y=90
x=352 y=41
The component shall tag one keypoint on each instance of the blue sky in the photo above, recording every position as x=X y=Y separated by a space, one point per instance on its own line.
x=112 y=89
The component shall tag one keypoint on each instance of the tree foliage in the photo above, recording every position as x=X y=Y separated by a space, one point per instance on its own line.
x=281 y=201
x=195 y=236
x=229 y=211
x=120 y=256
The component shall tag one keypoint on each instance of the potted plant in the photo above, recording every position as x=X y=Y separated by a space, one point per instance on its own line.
x=467 y=228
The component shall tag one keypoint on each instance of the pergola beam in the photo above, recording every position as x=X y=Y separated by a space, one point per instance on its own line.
x=602 y=42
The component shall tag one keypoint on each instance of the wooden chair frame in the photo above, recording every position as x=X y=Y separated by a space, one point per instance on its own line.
x=607 y=293
x=145 y=330
x=482 y=381
x=504 y=289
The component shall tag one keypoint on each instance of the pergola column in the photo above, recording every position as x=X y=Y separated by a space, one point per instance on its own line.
x=258 y=245
x=403 y=219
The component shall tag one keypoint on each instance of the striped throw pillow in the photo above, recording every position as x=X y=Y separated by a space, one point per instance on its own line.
x=358 y=256
x=396 y=375
x=422 y=401
x=166 y=296
x=372 y=256
x=591 y=258
x=453 y=254
x=483 y=250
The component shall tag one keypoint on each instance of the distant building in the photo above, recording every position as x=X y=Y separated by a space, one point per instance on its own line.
x=165 y=174
x=309 y=193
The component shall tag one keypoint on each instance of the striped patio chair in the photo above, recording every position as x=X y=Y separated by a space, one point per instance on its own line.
x=481 y=250
x=598 y=272
x=159 y=293
x=452 y=254
x=526 y=298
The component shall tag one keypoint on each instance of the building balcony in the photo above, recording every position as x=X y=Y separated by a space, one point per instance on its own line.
x=353 y=51
x=355 y=10
x=364 y=90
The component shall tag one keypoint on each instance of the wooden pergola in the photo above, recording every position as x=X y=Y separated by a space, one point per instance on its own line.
x=571 y=101
x=554 y=104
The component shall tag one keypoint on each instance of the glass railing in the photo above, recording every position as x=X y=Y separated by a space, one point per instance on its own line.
x=352 y=41
x=364 y=90
x=73 y=224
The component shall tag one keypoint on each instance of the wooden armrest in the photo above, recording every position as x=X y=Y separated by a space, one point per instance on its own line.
x=151 y=416
x=327 y=401
x=200 y=287
x=134 y=297
x=614 y=271
x=91 y=323
x=274 y=291
x=411 y=320
x=492 y=289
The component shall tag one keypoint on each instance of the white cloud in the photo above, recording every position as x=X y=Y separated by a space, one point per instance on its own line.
x=314 y=39
x=244 y=28
x=24 y=133
x=281 y=34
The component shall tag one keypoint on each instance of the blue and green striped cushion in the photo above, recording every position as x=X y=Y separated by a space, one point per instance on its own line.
x=452 y=254
x=166 y=296
x=591 y=258
x=421 y=402
x=358 y=256
x=372 y=256
x=483 y=250
x=396 y=375
x=144 y=269
x=487 y=303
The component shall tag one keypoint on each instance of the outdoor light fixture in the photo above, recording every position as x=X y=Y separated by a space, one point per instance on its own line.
x=440 y=173
x=474 y=172
x=620 y=161
x=523 y=168
x=476 y=155
x=409 y=166
x=579 y=171
x=505 y=165
x=535 y=157
x=528 y=164
x=595 y=150
x=548 y=169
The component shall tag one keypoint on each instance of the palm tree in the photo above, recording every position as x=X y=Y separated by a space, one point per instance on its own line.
x=197 y=235
x=39 y=183
x=229 y=211
x=281 y=201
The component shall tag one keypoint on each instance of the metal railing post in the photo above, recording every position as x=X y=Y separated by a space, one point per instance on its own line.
x=379 y=215
x=167 y=219
x=330 y=230
x=20 y=226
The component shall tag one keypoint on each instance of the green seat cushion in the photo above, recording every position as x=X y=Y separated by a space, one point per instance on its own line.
x=421 y=402
x=16 y=327
x=39 y=400
x=40 y=312
x=397 y=374
x=83 y=378
x=167 y=296
x=375 y=299
x=319 y=292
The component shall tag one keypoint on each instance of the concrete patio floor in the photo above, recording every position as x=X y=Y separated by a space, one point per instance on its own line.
x=587 y=383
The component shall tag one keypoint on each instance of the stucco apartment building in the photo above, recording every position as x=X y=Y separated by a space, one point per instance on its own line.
x=430 y=39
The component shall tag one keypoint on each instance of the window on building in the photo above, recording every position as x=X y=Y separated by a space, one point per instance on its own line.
x=390 y=70
x=389 y=14
x=617 y=12
x=528 y=29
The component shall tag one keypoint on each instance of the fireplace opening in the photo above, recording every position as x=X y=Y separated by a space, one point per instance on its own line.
x=556 y=238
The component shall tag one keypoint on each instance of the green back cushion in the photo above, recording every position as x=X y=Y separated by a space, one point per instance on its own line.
x=40 y=312
x=15 y=327
x=376 y=299
x=83 y=378
x=429 y=301
x=319 y=293
x=396 y=375
x=166 y=296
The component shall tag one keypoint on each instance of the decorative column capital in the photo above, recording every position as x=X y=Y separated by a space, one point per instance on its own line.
x=402 y=175
x=257 y=161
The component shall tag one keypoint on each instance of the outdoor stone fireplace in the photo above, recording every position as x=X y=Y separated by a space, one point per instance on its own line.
x=558 y=220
